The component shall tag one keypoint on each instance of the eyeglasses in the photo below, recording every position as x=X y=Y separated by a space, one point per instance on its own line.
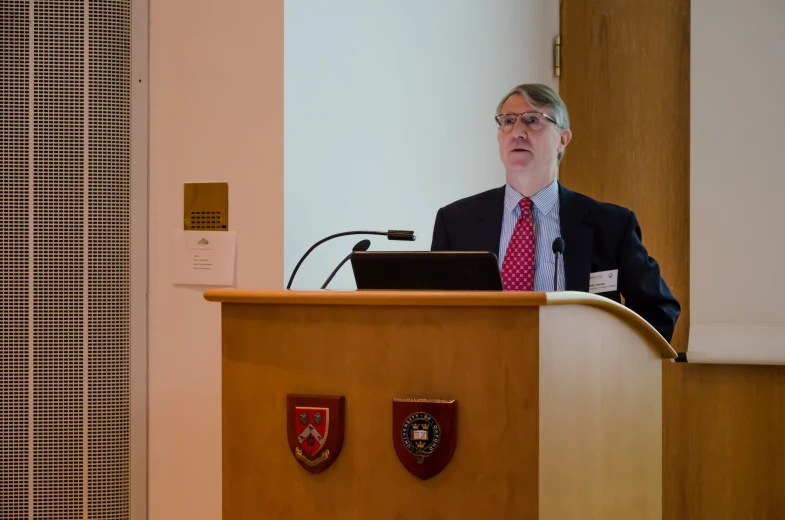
x=534 y=121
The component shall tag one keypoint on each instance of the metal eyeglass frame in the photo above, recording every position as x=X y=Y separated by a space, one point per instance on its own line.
x=519 y=116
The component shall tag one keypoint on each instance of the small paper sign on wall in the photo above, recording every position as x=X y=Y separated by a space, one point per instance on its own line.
x=204 y=257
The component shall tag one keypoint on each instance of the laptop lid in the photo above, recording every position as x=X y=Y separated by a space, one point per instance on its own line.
x=426 y=270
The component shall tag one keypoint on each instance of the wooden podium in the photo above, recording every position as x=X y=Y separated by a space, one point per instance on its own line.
x=559 y=404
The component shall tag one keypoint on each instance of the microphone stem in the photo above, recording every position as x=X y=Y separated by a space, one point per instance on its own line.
x=335 y=271
x=556 y=272
x=345 y=233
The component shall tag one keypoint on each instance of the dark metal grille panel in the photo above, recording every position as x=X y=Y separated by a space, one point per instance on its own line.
x=109 y=269
x=58 y=178
x=14 y=254
x=65 y=292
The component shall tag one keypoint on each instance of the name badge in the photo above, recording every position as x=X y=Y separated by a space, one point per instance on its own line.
x=603 y=281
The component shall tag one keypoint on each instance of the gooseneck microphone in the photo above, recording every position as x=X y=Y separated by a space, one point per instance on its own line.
x=362 y=245
x=391 y=235
x=558 y=249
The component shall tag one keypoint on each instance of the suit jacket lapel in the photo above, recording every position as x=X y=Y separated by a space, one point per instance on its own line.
x=578 y=238
x=489 y=222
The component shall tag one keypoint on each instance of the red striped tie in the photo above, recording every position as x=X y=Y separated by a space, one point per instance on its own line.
x=518 y=266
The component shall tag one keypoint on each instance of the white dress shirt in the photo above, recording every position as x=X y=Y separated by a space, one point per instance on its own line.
x=546 y=229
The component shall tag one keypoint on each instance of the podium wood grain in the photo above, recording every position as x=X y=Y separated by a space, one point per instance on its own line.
x=484 y=357
x=600 y=418
x=724 y=433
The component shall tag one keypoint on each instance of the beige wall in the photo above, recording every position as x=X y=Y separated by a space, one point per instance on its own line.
x=216 y=114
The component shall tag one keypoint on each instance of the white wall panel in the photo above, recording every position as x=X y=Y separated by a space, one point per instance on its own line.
x=388 y=111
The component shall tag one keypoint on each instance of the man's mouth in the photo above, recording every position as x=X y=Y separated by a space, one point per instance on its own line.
x=519 y=150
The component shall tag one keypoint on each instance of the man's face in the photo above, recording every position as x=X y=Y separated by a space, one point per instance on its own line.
x=530 y=150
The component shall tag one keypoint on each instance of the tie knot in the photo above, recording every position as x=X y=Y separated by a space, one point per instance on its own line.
x=525 y=205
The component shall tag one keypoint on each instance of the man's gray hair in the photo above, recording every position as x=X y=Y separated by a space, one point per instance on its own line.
x=541 y=97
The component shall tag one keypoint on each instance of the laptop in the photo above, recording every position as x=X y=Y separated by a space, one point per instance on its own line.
x=426 y=270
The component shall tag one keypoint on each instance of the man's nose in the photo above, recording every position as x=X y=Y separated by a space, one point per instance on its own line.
x=519 y=129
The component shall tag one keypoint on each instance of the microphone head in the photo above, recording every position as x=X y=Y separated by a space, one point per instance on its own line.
x=400 y=235
x=558 y=245
x=362 y=245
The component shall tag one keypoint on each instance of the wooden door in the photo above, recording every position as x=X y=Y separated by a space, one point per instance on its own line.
x=626 y=82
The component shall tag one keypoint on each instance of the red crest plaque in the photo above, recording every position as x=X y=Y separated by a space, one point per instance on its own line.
x=424 y=434
x=315 y=429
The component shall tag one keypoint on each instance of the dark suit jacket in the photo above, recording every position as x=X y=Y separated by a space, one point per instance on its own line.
x=597 y=237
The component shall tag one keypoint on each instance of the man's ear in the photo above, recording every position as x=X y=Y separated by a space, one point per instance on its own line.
x=565 y=138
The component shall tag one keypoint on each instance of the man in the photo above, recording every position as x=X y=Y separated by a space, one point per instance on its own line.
x=520 y=220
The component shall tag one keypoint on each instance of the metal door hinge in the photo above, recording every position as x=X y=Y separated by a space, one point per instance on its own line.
x=557 y=55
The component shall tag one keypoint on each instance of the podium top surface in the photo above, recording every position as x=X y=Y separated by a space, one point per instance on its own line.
x=442 y=298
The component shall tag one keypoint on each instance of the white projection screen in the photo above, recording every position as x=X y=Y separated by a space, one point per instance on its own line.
x=737 y=227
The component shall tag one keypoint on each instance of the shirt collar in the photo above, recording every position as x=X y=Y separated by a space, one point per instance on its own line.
x=544 y=200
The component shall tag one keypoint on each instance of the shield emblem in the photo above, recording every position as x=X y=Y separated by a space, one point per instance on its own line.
x=315 y=429
x=424 y=434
